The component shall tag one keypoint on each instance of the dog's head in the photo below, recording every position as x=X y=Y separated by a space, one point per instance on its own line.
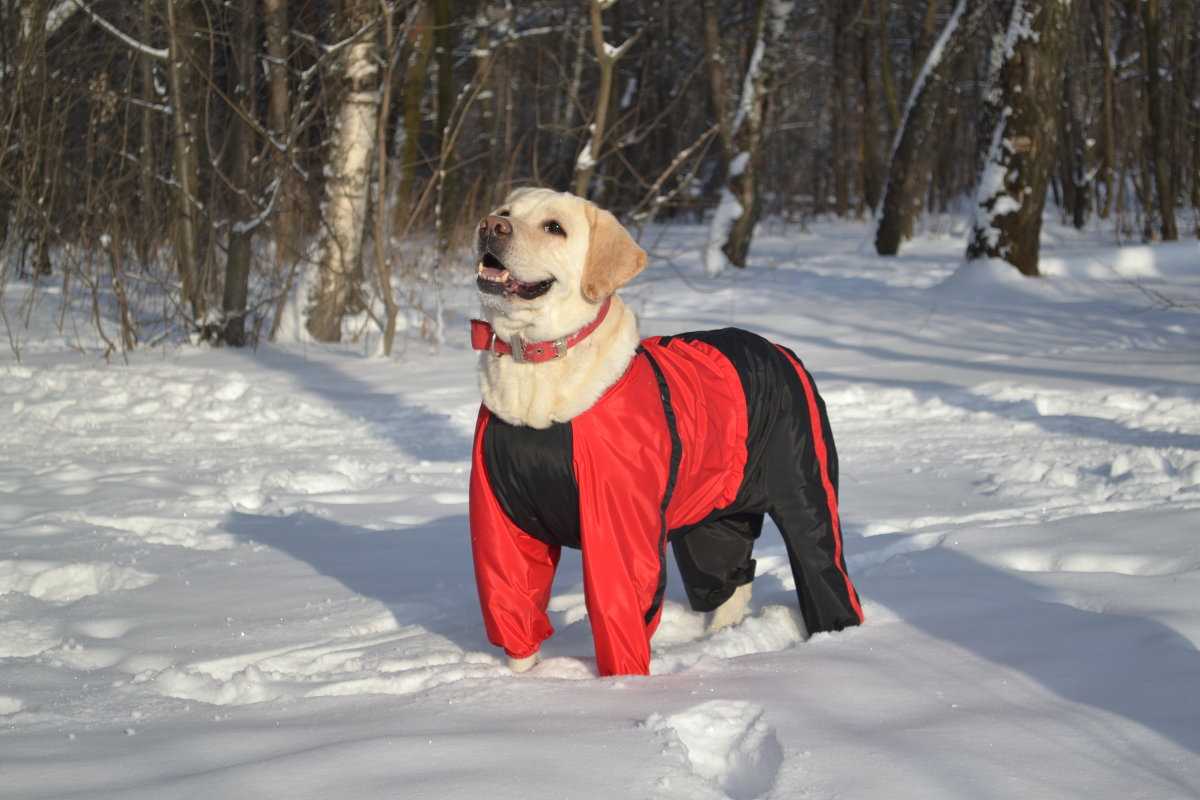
x=547 y=259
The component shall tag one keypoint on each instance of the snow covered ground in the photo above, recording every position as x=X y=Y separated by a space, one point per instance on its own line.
x=228 y=574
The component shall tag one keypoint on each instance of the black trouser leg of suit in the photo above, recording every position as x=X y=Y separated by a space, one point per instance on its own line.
x=802 y=489
x=714 y=558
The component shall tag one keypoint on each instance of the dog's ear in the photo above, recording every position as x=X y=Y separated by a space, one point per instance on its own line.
x=613 y=257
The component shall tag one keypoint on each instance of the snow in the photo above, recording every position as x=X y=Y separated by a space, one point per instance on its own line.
x=728 y=211
x=247 y=574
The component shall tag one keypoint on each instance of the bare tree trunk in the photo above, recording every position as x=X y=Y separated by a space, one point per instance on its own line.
x=286 y=219
x=1194 y=117
x=1108 y=134
x=1181 y=32
x=607 y=58
x=383 y=263
x=147 y=232
x=413 y=92
x=717 y=91
x=904 y=191
x=241 y=235
x=1152 y=26
x=837 y=135
x=186 y=160
x=443 y=46
x=737 y=214
x=885 y=67
x=869 y=143
x=348 y=177
x=1076 y=183
x=1025 y=101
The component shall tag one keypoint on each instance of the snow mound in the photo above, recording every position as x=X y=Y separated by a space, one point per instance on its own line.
x=773 y=629
x=726 y=742
x=193 y=534
x=57 y=582
x=991 y=281
x=248 y=686
x=1163 y=260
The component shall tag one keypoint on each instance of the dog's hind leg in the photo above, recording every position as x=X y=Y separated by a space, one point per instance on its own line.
x=714 y=559
x=732 y=611
x=802 y=478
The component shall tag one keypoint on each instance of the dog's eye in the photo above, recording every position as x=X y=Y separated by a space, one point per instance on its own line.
x=552 y=226
x=503 y=213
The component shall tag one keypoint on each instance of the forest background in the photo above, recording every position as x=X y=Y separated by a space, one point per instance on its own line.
x=196 y=165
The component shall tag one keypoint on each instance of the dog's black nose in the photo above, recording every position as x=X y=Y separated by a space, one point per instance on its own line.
x=493 y=225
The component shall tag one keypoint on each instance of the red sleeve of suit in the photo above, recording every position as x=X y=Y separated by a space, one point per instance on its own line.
x=623 y=466
x=622 y=463
x=513 y=571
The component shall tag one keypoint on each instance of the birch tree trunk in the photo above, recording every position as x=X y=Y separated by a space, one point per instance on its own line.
x=348 y=166
x=1024 y=99
x=740 y=207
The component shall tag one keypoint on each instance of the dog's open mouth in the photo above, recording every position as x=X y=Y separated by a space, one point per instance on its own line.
x=492 y=277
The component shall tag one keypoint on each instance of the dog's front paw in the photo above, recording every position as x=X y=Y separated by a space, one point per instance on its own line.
x=519 y=665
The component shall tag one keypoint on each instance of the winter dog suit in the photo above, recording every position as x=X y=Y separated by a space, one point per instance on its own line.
x=703 y=435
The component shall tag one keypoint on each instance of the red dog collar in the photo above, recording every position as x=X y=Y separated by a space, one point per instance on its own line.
x=484 y=338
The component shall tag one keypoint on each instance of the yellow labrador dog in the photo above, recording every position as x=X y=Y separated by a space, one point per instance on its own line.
x=591 y=438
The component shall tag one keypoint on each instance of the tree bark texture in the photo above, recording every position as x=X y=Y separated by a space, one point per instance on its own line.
x=186 y=159
x=869 y=156
x=241 y=235
x=1025 y=102
x=286 y=223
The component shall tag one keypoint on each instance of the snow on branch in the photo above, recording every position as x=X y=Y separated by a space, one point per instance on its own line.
x=931 y=63
x=153 y=52
x=57 y=16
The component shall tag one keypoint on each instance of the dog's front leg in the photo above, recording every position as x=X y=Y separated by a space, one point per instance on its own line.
x=519 y=665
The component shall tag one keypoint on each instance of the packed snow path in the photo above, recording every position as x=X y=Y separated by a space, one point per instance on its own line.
x=236 y=574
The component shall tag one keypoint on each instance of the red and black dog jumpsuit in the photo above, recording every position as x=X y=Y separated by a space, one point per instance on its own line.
x=703 y=435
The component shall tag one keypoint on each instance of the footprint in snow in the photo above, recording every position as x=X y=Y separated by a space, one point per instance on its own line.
x=725 y=742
